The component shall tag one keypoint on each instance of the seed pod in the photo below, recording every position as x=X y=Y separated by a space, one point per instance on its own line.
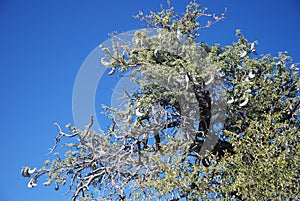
x=209 y=81
x=195 y=81
x=32 y=171
x=47 y=183
x=32 y=183
x=252 y=48
x=105 y=63
x=113 y=70
x=220 y=72
x=244 y=103
x=138 y=113
x=251 y=75
x=243 y=54
x=230 y=101
x=293 y=67
x=186 y=78
x=24 y=172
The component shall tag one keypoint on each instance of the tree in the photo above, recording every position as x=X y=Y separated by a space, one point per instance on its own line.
x=205 y=122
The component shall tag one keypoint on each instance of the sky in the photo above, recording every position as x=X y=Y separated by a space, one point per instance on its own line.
x=44 y=43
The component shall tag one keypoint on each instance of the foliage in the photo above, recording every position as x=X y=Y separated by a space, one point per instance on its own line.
x=154 y=147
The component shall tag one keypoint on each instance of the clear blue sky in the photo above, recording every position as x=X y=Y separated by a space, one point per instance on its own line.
x=43 y=44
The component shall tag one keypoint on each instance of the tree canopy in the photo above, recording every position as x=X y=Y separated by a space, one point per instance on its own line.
x=206 y=122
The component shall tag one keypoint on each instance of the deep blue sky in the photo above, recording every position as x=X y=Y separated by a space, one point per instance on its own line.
x=43 y=44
